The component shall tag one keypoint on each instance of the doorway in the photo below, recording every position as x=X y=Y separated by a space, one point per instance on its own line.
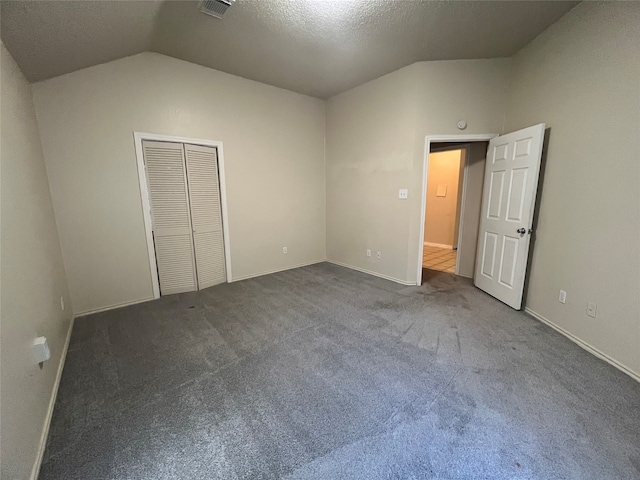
x=454 y=251
x=443 y=207
x=502 y=233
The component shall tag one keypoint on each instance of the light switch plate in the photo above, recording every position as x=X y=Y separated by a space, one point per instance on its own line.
x=562 y=298
x=403 y=193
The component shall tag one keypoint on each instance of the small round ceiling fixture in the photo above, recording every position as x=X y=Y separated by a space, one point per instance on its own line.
x=462 y=125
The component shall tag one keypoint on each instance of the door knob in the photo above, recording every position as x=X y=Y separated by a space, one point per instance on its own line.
x=522 y=231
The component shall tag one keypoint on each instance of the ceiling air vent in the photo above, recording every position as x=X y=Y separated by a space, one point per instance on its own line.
x=215 y=8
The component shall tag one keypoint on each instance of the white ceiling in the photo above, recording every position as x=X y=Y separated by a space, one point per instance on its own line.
x=315 y=47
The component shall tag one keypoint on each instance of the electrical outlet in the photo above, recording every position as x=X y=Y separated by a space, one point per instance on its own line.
x=284 y=249
x=562 y=298
x=403 y=193
x=368 y=252
x=378 y=255
x=62 y=303
x=592 y=309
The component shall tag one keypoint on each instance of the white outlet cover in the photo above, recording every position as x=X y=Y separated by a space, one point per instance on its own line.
x=562 y=297
x=368 y=252
x=40 y=349
x=284 y=250
x=403 y=193
x=378 y=255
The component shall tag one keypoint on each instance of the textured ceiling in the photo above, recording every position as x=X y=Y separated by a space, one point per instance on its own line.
x=316 y=47
x=50 y=38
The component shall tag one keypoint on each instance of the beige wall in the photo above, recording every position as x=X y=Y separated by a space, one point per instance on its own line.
x=582 y=78
x=370 y=132
x=375 y=146
x=274 y=160
x=32 y=278
x=440 y=215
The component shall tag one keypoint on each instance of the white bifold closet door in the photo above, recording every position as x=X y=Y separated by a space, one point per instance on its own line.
x=169 y=199
x=184 y=196
x=206 y=214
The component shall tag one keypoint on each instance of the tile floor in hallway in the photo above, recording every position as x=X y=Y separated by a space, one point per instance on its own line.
x=439 y=259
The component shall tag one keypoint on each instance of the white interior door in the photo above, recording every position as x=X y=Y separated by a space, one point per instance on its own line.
x=167 y=182
x=509 y=195
x=206 y=214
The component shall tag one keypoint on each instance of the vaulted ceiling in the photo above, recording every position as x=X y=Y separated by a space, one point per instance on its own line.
x=315 y=47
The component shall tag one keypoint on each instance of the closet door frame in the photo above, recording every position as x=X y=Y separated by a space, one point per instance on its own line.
x=146 y=204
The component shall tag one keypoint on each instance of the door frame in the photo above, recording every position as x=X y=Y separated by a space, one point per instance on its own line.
x=429 y=139
x=146 y=204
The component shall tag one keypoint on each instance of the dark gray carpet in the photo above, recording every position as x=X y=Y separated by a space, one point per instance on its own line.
x=326 y=373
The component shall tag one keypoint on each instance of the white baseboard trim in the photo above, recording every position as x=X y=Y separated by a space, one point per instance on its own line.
x=113 y=307
x=254 y=275
x=35 y=471
x=237 y=279
x=369 y=272
x=585 y=345
x=439 y=245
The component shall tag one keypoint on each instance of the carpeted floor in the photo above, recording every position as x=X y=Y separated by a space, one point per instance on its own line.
x=326 y=373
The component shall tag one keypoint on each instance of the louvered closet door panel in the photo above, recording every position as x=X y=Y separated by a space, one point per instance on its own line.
x=168 y=194
x=206 y=214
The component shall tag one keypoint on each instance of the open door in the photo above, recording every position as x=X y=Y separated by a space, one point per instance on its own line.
x=508 y=199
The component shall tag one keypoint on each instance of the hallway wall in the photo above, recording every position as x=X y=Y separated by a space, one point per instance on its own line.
x=474 y=173
x=440 y=216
